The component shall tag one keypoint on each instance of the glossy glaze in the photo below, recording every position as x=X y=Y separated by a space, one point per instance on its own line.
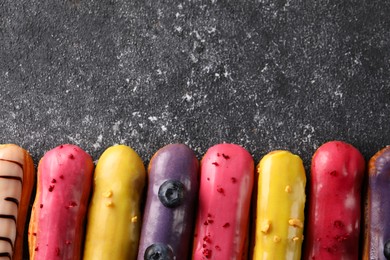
x=227 y=173
x=114 y=213
x=173 y=181
x=59 y=210
x=377 y=213
x=333 y=225
x=17 y=177
x=280 y=207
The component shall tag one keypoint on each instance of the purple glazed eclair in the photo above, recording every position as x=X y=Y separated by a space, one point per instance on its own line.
x=377 y=208
x=170 y=204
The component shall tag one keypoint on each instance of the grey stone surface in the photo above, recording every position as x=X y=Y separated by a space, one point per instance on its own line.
x=263 y=74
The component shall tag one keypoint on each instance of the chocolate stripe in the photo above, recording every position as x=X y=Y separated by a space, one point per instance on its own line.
x=7 y=239
x=8 y=217
x=17 y=178
x=11 y=161
x=5 y=254
x=16 y=201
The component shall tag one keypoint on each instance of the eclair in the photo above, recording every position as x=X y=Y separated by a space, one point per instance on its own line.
x=17 y=178
x=170 y=204
x=114 y=216
x=60 y=206
x=280 y=207
x=226 y=183
x=333 y=217
x=377 y=208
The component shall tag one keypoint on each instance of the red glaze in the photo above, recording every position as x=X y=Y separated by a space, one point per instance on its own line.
x=227 y=173
x=58 y=214
x=333 y=222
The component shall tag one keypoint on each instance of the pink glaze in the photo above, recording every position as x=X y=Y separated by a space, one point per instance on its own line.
x=227 y=175
x=57 y=224
x=333 y=220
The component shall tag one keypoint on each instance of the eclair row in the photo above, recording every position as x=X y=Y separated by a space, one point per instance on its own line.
x=222 y=207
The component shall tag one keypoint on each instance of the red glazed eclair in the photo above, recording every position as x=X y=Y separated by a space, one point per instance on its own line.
x=227 y=175
x=59 y=210
x=17 y=177
x=333 y=220
x=377 y=211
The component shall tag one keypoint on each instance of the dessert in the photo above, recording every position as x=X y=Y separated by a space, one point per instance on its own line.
x=114 y=217
x=280 y=206
x=170 y=204
x=227 y=175
x=332 y=230
x=59 y=210
x=377 y=208
x=17 y=178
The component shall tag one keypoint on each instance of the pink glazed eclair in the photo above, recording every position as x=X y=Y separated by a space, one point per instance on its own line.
x=226 y=182
x=57 y=218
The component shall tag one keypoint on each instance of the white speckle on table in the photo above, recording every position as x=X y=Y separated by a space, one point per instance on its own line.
x=259 y=119
x=160 y=13
x=338 y=92
x=88 y=119
x=152 y=118
x=98 y=142
x=227 y=74
x=265 y=68
x=207 y=68
x=136 y=113
x=115 y=127
x=134 y=133
x=178 y=29
x=193 y=58
x=163 y=128
x=179 y=15
x=75 y=140
x=211 y=30
x=187 y=97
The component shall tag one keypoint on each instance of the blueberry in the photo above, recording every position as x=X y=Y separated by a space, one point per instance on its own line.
x=171 y=193
x=158 y=252
x=386 y=249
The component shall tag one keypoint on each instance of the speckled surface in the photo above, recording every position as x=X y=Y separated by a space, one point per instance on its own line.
x=264 y=74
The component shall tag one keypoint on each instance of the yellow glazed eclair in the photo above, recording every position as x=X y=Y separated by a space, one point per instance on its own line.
x=280 y=207
x=114 y=218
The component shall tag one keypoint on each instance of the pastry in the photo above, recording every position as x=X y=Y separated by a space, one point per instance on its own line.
x=17 y=178
x=333 y=219
x=114 y=217
x=59 y=210
x=227 y=175
x=280 y=206
x=170 y=204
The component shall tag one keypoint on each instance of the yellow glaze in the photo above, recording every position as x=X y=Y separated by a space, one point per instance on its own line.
x=280 y=207
x=113 y=226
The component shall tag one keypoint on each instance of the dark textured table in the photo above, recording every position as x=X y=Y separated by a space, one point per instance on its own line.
x=263 y=74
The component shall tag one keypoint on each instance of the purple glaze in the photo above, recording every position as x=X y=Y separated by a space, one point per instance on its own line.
x=161 y=224
x=379 y=225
